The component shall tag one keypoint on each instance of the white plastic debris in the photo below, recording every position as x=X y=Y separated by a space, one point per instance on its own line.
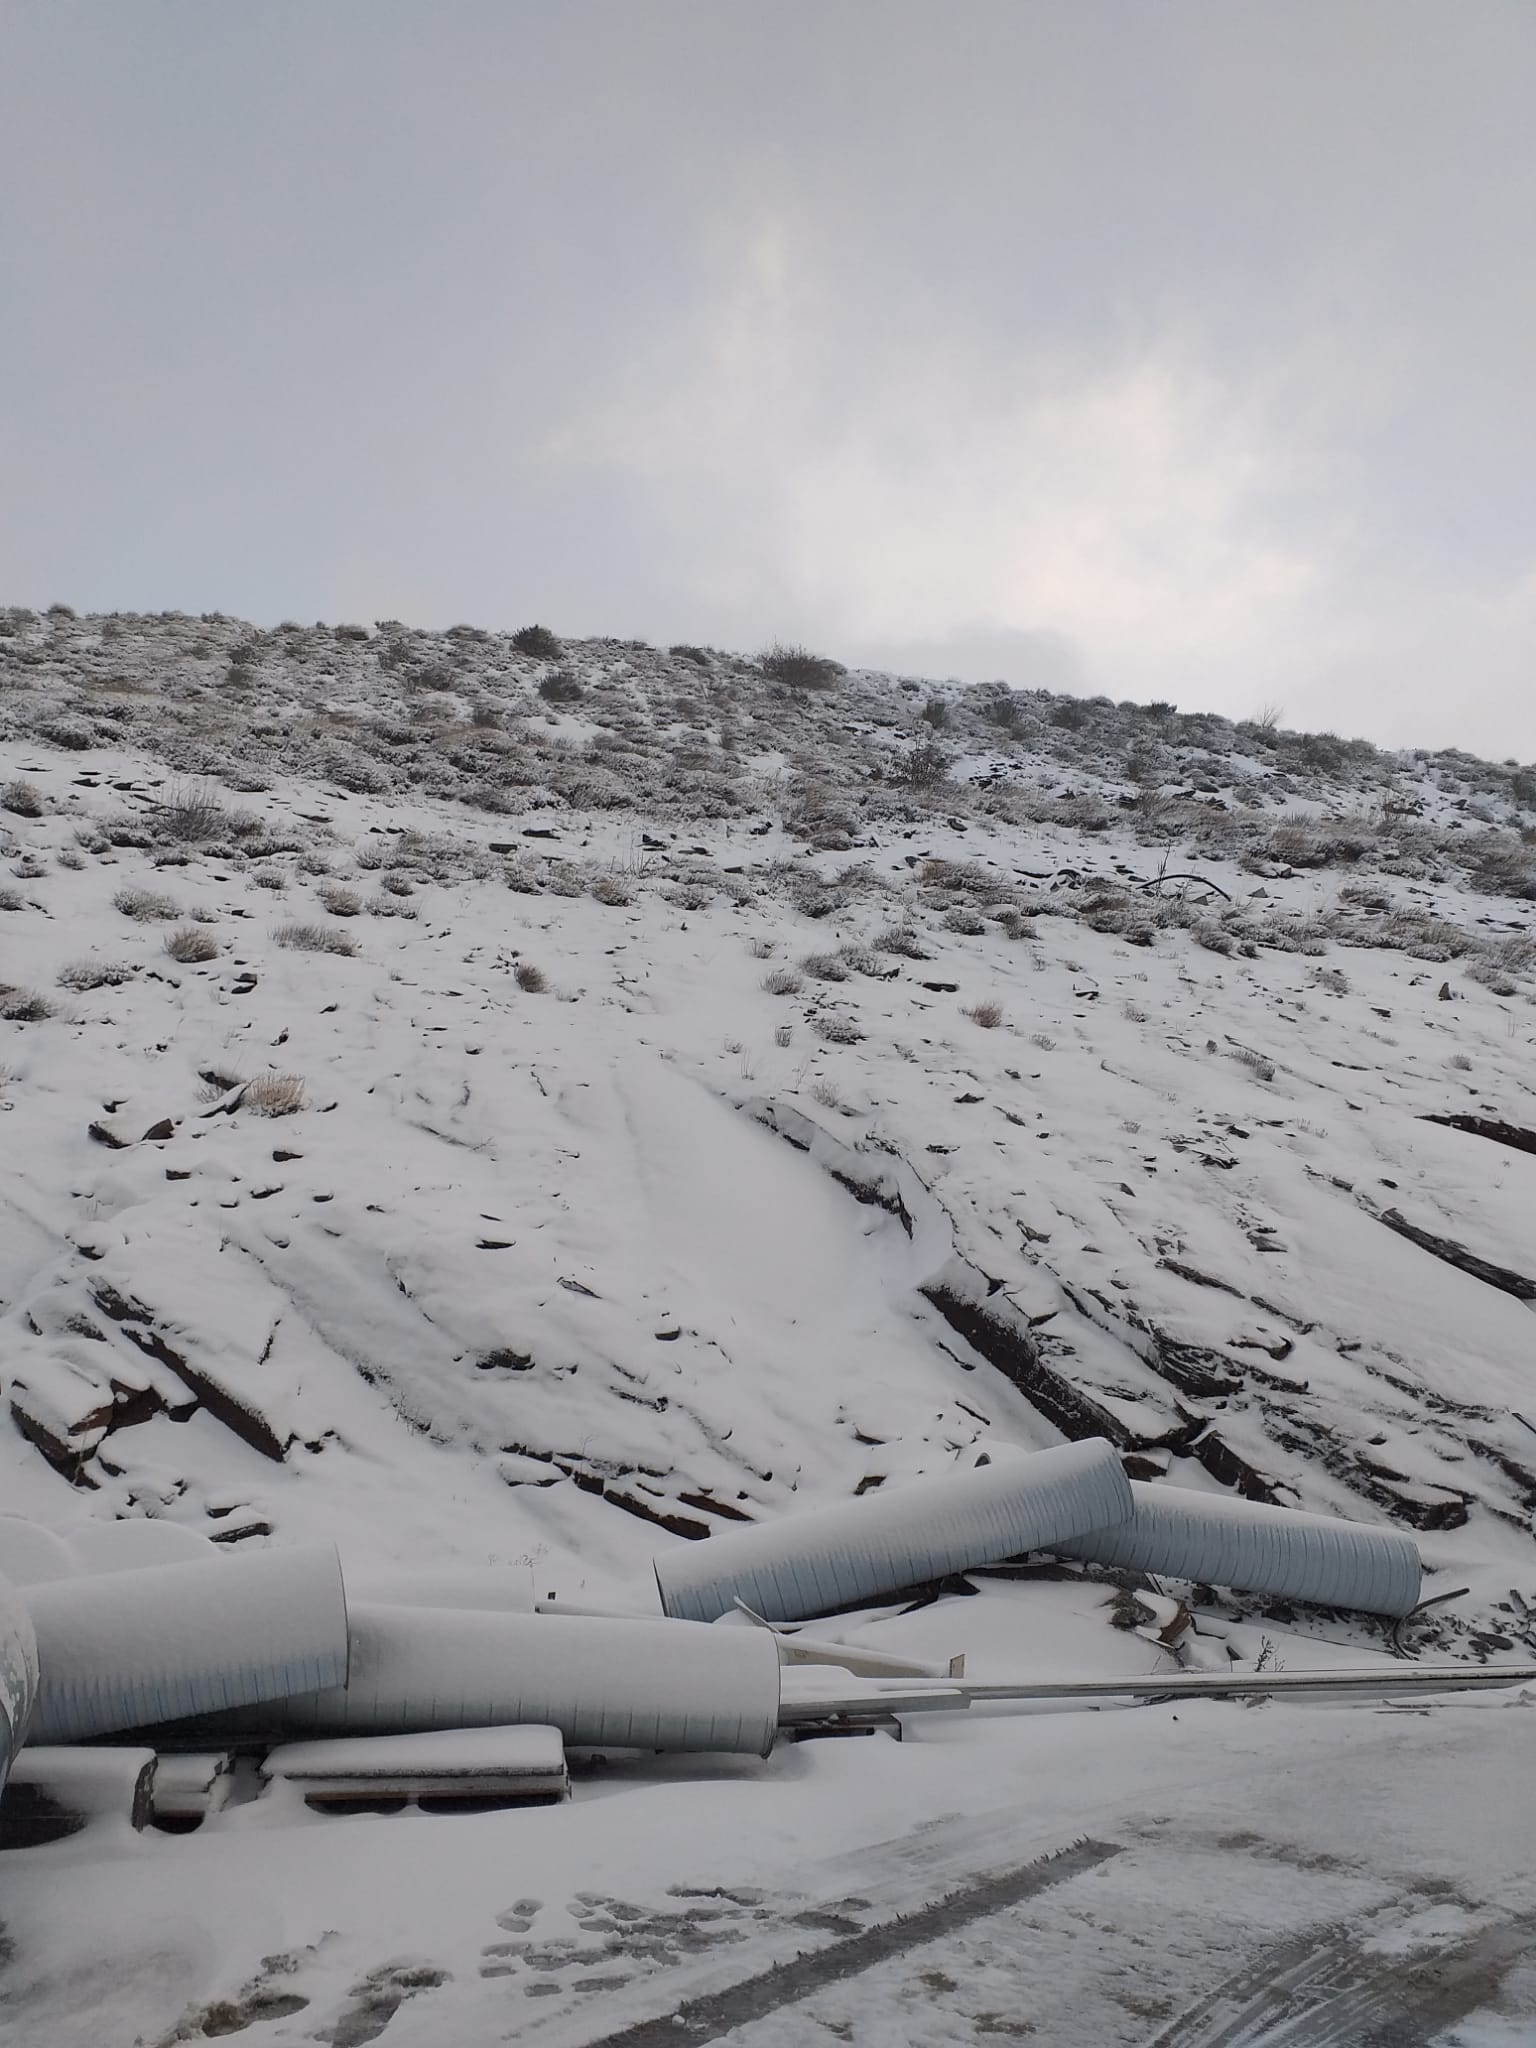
x=815 y=1563
x=134 y=1648
x=29 y=1553
x=627 y=1684
x=458 y=1763
x=189 y=1787
x=1217 y=1541
x=18 y=1675
x=490 y=1588
x=74 y=1786
x=132 y=1546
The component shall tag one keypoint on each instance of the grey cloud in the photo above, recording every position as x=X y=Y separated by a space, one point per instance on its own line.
x=1192 y=340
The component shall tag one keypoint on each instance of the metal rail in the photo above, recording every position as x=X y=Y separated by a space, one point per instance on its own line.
x=1369 y=1681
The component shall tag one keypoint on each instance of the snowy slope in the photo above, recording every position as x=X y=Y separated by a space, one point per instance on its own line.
x=742 y=1197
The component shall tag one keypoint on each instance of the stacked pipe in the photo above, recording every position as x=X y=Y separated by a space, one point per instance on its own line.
x=129 y=1627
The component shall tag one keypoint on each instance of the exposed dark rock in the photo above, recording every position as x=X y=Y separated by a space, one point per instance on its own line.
x=1512 y=1135
x=1457 y=1255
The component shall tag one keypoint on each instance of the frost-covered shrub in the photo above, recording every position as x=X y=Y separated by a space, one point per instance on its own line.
x=23 y=799
x=825 y=966
x=798 y=669
x=24 y=1006
x=925 y=766
x=838 y=1029
x=192 y=813
x=539 y=642
x=145 y=906
x=314 y=938
x=274 y=1095
x=84 y=975
x=190 y=944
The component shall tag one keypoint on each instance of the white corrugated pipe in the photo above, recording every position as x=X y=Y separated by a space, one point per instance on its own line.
x=1217 y=1541
x=842 y=1556
x=631 y=1684
x=130 y=1649
x=492 y=1588
x=18 y=1675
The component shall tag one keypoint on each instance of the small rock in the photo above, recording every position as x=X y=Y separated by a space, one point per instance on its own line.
x=158 y=1132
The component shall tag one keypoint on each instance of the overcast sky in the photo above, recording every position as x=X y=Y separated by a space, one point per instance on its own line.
x=1167 y=350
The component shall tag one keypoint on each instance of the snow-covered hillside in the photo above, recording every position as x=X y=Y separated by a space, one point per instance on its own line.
x=479 y=1105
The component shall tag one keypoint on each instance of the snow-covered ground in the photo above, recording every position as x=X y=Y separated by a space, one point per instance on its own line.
x=552 y=1253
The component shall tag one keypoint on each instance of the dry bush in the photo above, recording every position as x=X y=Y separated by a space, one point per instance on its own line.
x=970 y=924
x=838 y=1030
x=12 y=899
x=274 y=1095
x=1424 y=936
x=798 y=669
x=67 y=857
x=24 y=1006
x=83 y=975
x=314 y=938
x=1503 y=865
x=397 y=884
x=987 y=1015
x=191 y=813
x=539 y=642
x=761 y=949
x=22 y=798
x=825 y=966
x=145 y=906
x=531 y=980
x=1261 y=1068
x=612 y=890
x=563 y=687
x=190 y=945
x=824 y=1093
x=390 y=906
x=865 y=960
x=924 y=766
x=271 y=878
x=903 y=940
x=782 y=981
x=338 y=901
x=784 y=1034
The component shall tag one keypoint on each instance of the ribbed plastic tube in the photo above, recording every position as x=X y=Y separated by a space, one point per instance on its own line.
x=18 y=1675
x=630 y=1684
x=1217 y=1541
x=842 y=1556
x=130 y=1649
x=491 y=1588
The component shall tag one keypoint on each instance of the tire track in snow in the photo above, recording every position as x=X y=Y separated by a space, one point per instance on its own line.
x=709 y=2017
